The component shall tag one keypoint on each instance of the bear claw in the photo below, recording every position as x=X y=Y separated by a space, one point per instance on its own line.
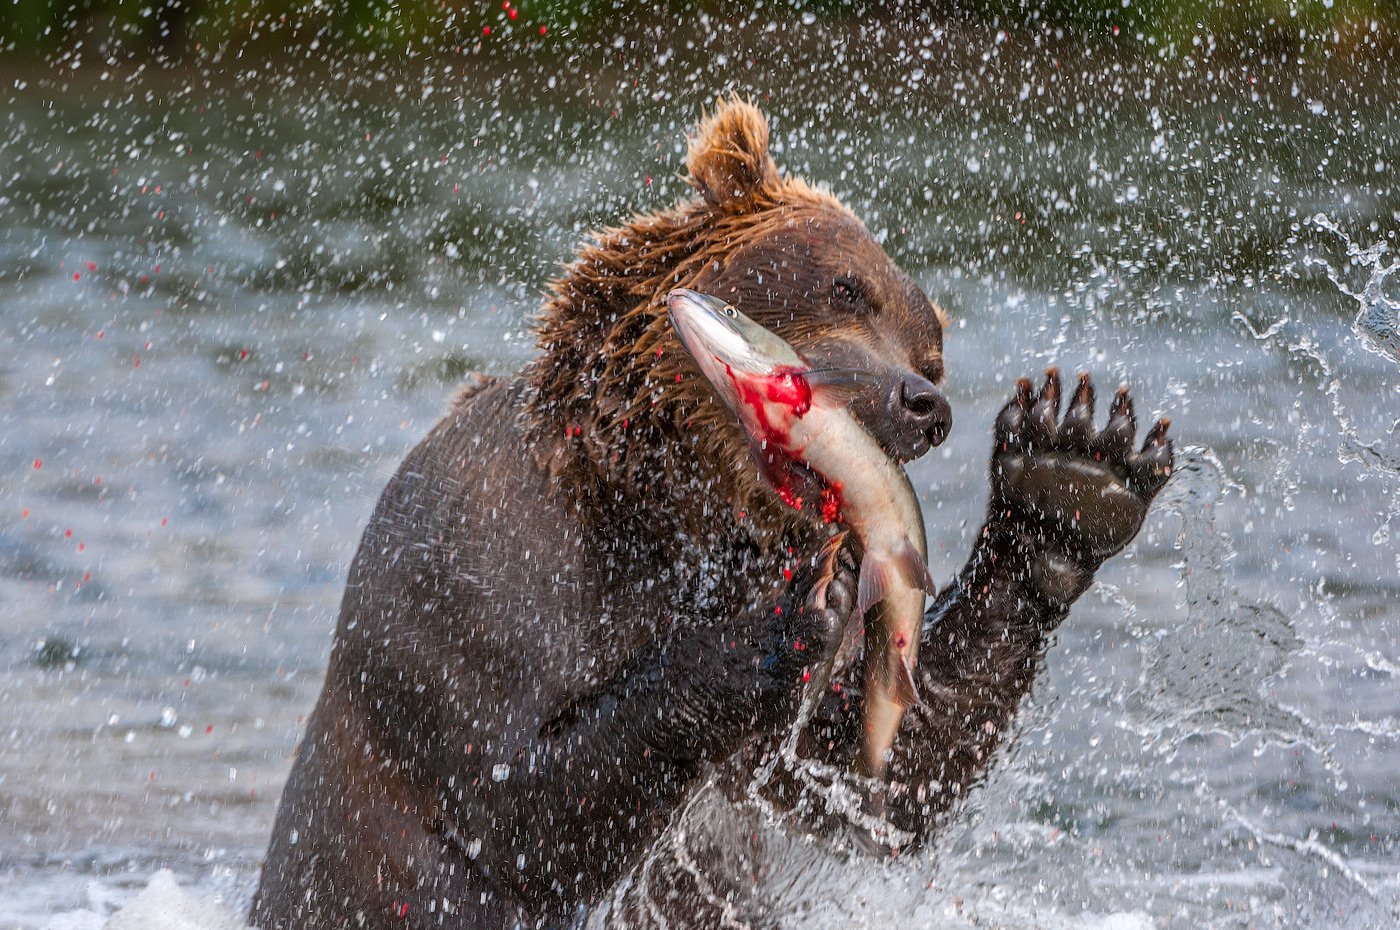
x=1078 y=491
x=1045 y=413
x=1077 y=427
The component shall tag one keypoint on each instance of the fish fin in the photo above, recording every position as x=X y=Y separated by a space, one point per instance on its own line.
x=840 y=383
x=851 y=639
x=873 y=585
x=914 y=570
x=826 y=565
x=906 y=693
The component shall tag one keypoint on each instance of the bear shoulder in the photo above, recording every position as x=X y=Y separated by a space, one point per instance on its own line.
x=472 y=386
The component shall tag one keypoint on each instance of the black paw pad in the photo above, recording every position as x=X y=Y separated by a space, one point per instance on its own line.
x=1079 y=492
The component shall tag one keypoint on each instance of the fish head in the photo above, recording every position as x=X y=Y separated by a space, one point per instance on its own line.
x=729 y=348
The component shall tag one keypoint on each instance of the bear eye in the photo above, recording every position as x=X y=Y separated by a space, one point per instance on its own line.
x=730 y=312
x=850 y=293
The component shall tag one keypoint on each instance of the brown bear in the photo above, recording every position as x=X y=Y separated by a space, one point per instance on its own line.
x=576 y=595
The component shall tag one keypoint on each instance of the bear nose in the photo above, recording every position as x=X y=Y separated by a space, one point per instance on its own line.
x=921 y=408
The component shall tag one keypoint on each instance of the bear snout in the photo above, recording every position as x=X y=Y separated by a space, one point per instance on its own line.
x=908 y=415
x=924 y=408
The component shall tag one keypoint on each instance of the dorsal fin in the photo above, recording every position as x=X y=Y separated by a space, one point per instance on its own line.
x=840 y=384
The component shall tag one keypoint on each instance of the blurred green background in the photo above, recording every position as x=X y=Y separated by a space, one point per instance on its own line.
x=177 y=29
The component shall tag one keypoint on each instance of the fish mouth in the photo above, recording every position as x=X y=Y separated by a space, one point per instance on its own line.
x=683 y=299
x=690 y=313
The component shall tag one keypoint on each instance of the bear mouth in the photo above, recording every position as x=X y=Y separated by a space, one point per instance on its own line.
x=905 y=446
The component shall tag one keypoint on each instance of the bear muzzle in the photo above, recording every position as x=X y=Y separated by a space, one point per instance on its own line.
x=907 y=414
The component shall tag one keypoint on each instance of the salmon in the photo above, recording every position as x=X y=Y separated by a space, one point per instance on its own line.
x=813 y=452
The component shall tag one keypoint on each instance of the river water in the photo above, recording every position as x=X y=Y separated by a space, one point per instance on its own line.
x=231 y=305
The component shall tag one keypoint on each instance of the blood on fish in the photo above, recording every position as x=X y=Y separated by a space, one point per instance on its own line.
x=790 y=497
x=831 y=502
x=785 y=387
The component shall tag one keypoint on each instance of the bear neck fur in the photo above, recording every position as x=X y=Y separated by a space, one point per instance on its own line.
x=619 y=414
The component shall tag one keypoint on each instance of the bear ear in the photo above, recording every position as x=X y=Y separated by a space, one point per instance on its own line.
x=729 y=157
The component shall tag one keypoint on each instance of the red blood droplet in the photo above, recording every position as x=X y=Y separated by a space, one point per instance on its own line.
x=831 y=502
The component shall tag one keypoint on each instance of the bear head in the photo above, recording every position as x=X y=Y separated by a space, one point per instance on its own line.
x=619 y=411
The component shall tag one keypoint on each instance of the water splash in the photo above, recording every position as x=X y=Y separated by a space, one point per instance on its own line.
x=1212 y=672
x=1377 y=320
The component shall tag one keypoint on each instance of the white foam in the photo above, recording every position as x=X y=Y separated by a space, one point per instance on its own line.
x=164 y=905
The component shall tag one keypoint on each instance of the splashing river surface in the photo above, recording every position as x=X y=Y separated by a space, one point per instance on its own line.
x=230 y=308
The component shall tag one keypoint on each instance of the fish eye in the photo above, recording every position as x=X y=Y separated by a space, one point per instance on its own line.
x=730 y=312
